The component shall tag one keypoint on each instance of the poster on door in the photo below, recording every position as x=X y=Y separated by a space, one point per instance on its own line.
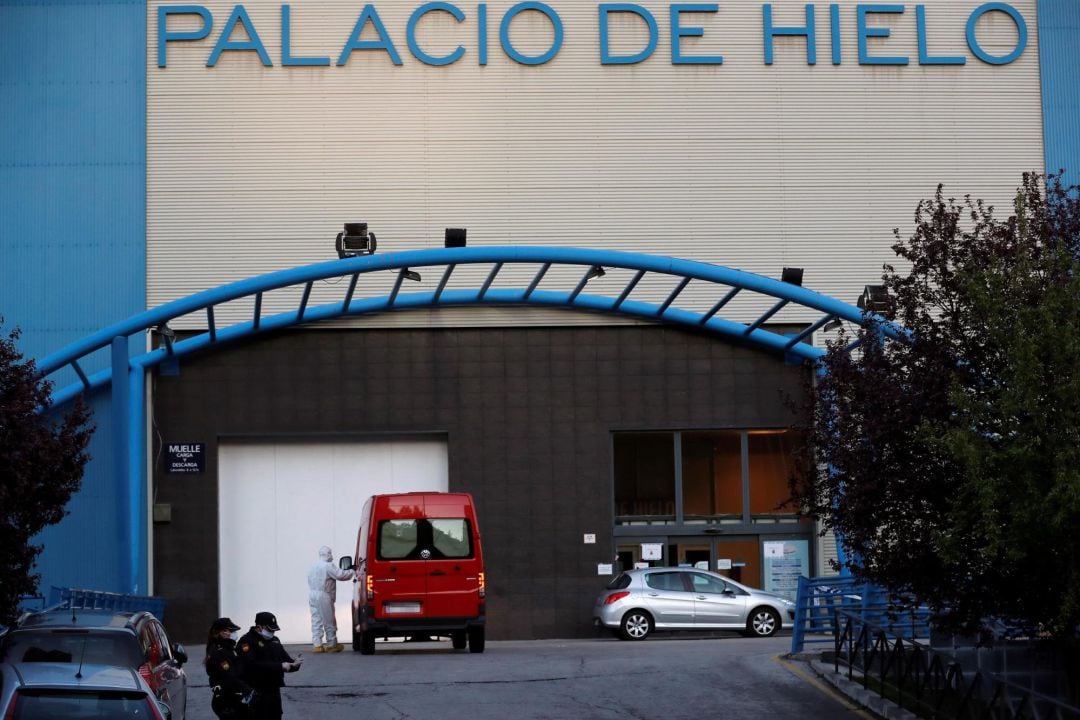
x=785 y=562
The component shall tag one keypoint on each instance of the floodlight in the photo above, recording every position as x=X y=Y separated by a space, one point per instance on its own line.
x=455 y=237
x=355 y=240
x=874 y=299
x=792 y=275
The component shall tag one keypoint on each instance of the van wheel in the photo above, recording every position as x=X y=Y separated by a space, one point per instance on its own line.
x=476 y=640
x=367 y=643
x=636 y=625
x=458 y=638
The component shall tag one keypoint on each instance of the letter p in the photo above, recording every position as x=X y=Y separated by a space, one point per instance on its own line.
x=164 y=36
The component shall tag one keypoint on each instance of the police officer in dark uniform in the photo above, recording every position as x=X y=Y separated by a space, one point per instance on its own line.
x=231 y=694
x=264 y=662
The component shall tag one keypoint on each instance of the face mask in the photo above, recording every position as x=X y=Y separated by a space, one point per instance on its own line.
x=267 y=633
x=234 y=636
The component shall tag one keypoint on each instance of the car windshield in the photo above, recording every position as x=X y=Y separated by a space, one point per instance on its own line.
x=62 y=705
x=72 y=646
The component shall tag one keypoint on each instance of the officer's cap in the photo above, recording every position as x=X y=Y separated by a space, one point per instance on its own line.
x=224 y=623
x=267 y=620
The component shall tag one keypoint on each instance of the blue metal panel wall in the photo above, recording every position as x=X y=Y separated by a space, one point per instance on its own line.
x=1059 y=60
x=73 y=220
x=88 y=548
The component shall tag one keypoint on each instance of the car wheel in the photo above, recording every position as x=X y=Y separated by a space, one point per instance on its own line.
x=763 y=622
x=458 y=639
x=636 y=625
x=476 y=640
x=367 y=643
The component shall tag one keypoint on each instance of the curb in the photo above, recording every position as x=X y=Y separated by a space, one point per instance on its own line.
x=867 y=699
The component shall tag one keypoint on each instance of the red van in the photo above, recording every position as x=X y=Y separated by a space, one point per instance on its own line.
x=419 y=570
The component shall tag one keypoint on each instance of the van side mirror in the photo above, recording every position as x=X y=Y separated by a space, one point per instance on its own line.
x=345 y=563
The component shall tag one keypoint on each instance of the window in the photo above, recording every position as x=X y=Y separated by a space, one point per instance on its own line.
x=645 y=475
x=451 y=538
x=443 y=538
x=53 y=704
x=162 y=641
x=665 y=581
x=772 y=460
x=707 y=583
x=712 y=473
x=397 y=539
x=719 y=473
x=72 y=646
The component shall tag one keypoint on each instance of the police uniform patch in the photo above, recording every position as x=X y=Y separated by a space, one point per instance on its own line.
x=225 y=665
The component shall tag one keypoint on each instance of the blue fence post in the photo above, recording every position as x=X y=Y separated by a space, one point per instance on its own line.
x=798 y=633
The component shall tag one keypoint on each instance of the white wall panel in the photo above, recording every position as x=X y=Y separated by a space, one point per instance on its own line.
x=279 y=502
x=253 y=169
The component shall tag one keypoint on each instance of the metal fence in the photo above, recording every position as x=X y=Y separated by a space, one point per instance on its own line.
x=931 y=683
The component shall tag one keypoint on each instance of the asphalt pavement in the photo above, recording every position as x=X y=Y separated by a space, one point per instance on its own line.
x=662 y=678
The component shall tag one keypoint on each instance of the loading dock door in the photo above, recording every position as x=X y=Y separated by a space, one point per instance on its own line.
x=279 y=501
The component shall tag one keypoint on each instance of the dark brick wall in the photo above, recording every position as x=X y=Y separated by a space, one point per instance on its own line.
x=528 y=414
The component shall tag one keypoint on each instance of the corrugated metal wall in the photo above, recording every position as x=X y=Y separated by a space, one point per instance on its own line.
x=254 y=168
x=1059 y=54
x=72 y=219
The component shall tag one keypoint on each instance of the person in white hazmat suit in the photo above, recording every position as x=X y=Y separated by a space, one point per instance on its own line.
x=322 y=581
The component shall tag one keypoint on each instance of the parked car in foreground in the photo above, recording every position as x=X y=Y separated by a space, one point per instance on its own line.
x=70 y=638
x=637 y=602
x=50 y=691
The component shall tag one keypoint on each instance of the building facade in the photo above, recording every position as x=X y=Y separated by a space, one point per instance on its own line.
x=158 y=150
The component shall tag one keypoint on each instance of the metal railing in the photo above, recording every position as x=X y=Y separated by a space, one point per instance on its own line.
x=819 y=599
x=931 y=683
x=81 y=599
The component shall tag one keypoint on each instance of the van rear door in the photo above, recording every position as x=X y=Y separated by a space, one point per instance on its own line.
x=399 y=576
x=455 y=564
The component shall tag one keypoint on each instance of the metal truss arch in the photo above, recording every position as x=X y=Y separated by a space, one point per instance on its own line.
x=728 y=282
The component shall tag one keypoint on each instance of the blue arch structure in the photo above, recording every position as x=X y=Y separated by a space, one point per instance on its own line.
x=126 y=375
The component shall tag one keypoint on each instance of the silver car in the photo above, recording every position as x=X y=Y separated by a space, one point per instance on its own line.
x=102 y=637
x=48 y=690
x=638 y=602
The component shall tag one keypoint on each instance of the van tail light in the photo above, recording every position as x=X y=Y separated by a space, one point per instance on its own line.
x=370 y=585
x=148 y=675
x=483 y=585
x=155 y=712
x=615 y=597
x=11 y=708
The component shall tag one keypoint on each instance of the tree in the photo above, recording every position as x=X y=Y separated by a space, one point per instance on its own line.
x=950 y=463
x=42 y=456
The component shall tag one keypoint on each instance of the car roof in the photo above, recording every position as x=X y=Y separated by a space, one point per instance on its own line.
x=67 y=676
x=68 y=618
x=650 y=570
